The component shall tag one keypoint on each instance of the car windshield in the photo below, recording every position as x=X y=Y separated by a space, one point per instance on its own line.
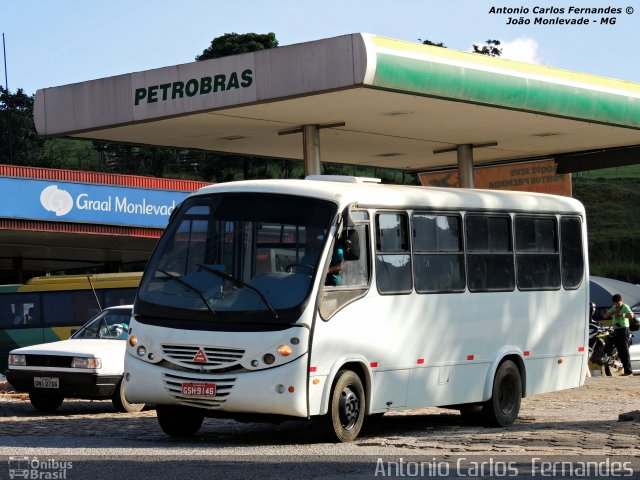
x=227 y=254
x=113 y=324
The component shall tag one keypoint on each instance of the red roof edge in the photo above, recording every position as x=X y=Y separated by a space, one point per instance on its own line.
x=135 y=181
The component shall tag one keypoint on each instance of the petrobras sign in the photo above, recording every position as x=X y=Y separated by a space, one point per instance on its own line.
x=192 y=87
x=87 y=203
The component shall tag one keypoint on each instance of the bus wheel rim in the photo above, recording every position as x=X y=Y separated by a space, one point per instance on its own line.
x=348 y=408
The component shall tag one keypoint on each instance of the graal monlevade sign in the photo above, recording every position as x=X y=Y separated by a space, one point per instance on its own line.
x=76 y=202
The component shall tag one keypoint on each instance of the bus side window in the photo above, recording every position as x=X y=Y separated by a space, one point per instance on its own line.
x=355 y=273
x=438 y=258
x=18 y=310
x=490 y=265
x=393 y=259
x=70 y=308
x=537 y=254
x=571 y=251
x=354 y=282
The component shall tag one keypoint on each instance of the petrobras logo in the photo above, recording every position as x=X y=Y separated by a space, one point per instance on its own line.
x=56 y=200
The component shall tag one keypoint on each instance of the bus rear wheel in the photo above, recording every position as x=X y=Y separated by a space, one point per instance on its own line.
x=179 y=421
x=502 y=409
x=45 y=402
x=347 y=406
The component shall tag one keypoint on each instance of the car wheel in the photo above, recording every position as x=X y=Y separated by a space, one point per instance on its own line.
x=46 y=402
x=179 y=421
x=120 y=402
x=346 y=407
x=502 y=409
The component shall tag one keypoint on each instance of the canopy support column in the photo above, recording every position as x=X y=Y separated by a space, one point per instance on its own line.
x=465 y=161
x=311 y=149
x=465 y=166
x=311 y=145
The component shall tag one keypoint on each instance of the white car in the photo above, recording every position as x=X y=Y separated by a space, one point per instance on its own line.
x=634 y=353
x=89 y=365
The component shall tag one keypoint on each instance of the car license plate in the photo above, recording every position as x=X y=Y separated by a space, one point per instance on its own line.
x=199 y=389
x=46 y=382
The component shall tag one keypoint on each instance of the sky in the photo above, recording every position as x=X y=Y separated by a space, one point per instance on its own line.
x=51 y=43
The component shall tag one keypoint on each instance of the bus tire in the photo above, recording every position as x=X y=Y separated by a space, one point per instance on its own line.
x=178 y=421
x=120 y=402
x=471 y=414
x=502 y=409
x=347 y=406
x=45 y=402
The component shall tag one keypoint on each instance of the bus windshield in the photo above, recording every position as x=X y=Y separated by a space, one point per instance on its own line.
x=225 y=255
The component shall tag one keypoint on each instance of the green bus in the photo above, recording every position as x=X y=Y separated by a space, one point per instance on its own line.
x=47 y=309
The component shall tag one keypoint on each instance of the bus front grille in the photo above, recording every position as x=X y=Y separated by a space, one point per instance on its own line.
x=173 y=385
x=199 y=358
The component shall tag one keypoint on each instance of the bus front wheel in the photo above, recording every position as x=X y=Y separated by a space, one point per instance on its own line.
x=45 y=402
x=120 y=402
x=502 y=409
x=179 y=421
x=347 y=407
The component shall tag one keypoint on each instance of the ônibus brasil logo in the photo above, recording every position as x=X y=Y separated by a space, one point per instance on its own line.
x=56 y=200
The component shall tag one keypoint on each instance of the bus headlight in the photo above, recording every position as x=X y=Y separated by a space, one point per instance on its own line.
x=18 y=360
x=84 y=362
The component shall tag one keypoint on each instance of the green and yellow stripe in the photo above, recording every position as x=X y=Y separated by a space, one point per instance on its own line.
x=459 y=76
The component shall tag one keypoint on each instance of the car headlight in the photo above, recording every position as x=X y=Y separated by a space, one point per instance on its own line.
x=84 y=362
x=17 y=360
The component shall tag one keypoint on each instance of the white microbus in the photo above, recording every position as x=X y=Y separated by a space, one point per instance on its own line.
x=339 y=298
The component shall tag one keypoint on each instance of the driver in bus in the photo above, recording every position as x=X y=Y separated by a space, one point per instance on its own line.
x=315 y=237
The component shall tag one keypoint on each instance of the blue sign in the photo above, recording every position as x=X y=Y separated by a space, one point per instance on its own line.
x=87 y=203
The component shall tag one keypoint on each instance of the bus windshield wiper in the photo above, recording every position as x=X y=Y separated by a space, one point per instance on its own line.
x=239 y=283
x=178 y=279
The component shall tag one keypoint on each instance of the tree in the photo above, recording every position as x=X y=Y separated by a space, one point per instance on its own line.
x=490 y=48
x=20 y=144
x=433 y=44
x=234 y=43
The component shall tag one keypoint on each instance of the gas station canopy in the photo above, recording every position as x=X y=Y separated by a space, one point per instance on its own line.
x=374 y=101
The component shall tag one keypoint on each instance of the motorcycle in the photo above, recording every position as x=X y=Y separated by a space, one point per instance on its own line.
x=599 y=336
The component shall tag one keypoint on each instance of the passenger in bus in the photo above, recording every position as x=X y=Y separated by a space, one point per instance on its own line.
x=30 y=315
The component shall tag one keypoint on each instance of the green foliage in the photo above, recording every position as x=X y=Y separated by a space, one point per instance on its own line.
x=490 y=48
x=20 y=144
x=234 y=43
x=433 y=44
x=613 y=223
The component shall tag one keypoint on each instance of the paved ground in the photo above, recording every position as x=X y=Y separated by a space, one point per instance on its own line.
x=585 y=421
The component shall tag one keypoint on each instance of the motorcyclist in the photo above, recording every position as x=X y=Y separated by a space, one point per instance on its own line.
x=620 y=313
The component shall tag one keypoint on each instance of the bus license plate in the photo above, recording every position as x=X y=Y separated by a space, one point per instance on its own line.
x=199 y=389
x=46 y=382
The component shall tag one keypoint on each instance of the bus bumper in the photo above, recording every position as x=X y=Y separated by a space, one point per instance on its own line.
x=279 y=391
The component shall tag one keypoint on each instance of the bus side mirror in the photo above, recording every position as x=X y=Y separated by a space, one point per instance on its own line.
x=350 y=243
